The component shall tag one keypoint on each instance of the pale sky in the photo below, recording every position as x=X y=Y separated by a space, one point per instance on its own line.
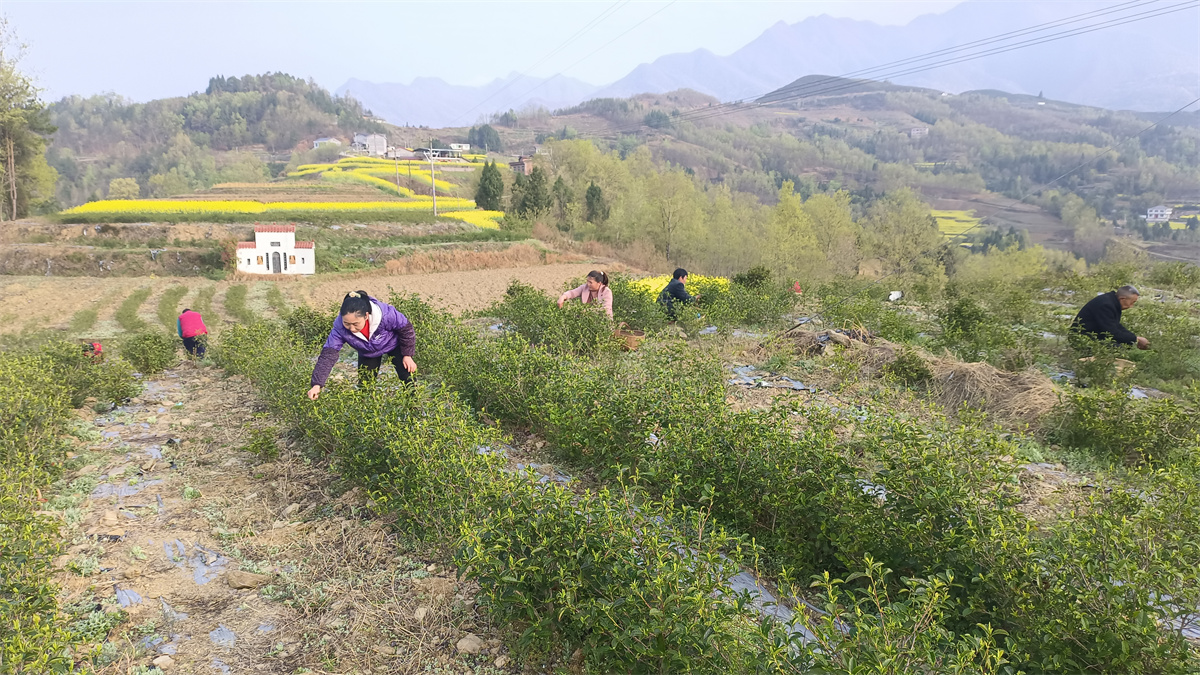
x=158 y=48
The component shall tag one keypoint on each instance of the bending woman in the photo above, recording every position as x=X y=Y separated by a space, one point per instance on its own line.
x=594 y=290
x=375 y=330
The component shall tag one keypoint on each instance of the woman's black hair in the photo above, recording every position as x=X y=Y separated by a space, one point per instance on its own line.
x=598 y=276
x=356 y=302
x=186 y=310
x=679 y=273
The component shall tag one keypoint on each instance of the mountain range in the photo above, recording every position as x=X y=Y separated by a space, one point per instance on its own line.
x=1144 y=65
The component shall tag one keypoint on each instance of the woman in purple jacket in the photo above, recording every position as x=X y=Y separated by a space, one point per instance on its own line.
x=375 y=330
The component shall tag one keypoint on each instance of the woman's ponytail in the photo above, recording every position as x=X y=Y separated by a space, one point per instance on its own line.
x=597 y=275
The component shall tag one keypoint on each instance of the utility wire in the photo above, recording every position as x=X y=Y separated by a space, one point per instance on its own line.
x=868 y=72
x=999 y=50
x=609 y=11
x=813 y=89
x=598 y=49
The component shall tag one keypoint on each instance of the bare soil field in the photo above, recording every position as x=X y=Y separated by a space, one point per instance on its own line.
x=32 y=303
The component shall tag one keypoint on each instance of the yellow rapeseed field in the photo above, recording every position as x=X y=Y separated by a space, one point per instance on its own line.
x=214 y=207
x=696 y=283
x=485 y=219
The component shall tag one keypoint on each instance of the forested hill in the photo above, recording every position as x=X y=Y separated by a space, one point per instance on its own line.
x=168 y=145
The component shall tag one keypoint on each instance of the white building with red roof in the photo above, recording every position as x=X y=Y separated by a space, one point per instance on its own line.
x=276 y=251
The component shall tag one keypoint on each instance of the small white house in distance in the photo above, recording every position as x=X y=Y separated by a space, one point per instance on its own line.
x=276 y=251
x=325 y=141
x=461 y=147
x=1159 y=214
x=374 y=145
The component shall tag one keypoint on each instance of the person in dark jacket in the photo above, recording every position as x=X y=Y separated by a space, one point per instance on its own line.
x=676 y=291
x=374 y=329
x=1100 y=318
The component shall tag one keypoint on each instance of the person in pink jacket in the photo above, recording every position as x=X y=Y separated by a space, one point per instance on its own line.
x=193 y=331
x=594 y=290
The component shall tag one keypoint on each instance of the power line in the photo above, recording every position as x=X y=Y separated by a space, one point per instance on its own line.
x=814 y=89
x=706 y=114
x=598 y=49
x=609 y=11
x=888 y=70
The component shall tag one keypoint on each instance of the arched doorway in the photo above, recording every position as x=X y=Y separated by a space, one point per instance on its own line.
x=275 y=268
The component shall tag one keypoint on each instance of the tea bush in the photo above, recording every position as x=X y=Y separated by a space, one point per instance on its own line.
x=310 y=326
x=151 y=351
x=847 y=305
x=36 y=392
x=1177 y=276
x=1116 y=428
x=634 y=307
x=553 y=564
x=575 y=327
x=109 y=381
x=827 y=491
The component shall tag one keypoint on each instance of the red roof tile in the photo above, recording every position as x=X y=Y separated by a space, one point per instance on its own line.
x=245 y=244
x=274 y=228
x=304 y=244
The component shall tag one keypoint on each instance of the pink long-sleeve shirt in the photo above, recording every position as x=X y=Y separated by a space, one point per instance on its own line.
x=603 y=296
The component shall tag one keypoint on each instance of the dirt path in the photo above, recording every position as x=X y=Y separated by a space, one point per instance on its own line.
x=231 y=552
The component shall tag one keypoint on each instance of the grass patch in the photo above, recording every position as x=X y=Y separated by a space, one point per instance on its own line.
x=235 y=303
x=203 y=301
x=276 y=300
x=127 y=314
x=168 y=303
x=83 y=320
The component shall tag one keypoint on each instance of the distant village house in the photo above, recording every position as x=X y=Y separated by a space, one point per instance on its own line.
x=276 y=251
x=461 y=147
x=439 y=153
x=1159 y=214
x=522 y=165
x=325 y=141
x=918 y=132
x=374 y=145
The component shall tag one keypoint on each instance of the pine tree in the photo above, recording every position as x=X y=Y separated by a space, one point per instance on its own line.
x=491 y=188
x=595 y=208
x=536 y=197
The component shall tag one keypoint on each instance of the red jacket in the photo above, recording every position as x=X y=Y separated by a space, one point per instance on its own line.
x=191 y=325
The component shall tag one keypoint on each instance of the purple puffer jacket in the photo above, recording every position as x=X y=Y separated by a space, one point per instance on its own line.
x=390 y=332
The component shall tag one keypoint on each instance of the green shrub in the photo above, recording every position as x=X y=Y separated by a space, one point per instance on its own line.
x=310 y=326
x=764 y=304
x=555 y=565
x=634 y=308
x=757 y=277
x=909 y=368
x=974 y=331
x=168 y=303
x=83 y=320
x=574 y=328
x=151 y=351
x=902 y=635
x=109 y=381
x=842 y=306
x=1116 y=428
x=1178 y=276
x=34 y=415
x=126 y=314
